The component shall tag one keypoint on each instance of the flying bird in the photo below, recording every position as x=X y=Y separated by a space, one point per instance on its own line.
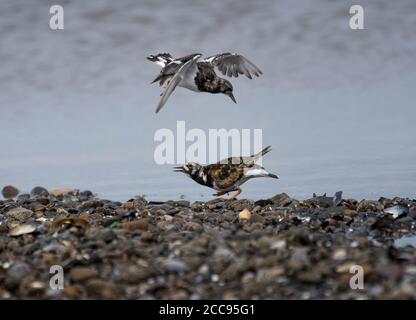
x=196 y=74
x=227 y=175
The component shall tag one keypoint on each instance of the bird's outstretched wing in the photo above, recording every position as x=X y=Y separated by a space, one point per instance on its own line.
x=184 y=70
x=232 y=65
x=170 y=67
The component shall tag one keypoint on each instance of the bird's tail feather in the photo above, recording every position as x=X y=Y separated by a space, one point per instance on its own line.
x=257 y=156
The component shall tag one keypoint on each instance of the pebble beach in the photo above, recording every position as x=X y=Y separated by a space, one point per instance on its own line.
x=275 y=248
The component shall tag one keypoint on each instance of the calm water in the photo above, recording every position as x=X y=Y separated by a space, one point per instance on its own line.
x=338 y=106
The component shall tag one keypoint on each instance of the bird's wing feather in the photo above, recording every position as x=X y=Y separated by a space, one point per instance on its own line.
x=232 y=65
x=169 y=67
x=168 y=71
x=226 y=176
x=176 y=79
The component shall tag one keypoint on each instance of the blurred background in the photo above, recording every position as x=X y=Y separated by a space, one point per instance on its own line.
x=337 y=105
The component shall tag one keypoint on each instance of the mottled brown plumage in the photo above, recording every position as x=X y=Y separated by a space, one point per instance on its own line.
x=225 y=175
x=207 y=80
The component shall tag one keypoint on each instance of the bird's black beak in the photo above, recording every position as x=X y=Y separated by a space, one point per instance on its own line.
x=271 y=175
x=178 y=169
x=230 y=94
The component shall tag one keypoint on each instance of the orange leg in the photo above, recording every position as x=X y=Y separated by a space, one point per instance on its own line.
x=235 y=195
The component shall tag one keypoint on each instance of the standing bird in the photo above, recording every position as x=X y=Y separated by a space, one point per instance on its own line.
x=229 y=174
x=198 y=75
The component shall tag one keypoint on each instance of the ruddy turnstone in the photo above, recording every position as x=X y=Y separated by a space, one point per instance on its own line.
x=227 y=175
x=198 y=75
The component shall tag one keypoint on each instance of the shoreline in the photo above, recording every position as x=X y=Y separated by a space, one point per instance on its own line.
x=277 y=248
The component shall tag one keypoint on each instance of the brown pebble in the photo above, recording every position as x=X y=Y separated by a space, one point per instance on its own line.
x=141 y=224
x=71 y=292
x=9 y=192
x=128 y=205
x=13 y=244
x=100 y=288
x=80 y=274
x=19 y=214
x=349 y=213
x=43 y=200
x=62 y=192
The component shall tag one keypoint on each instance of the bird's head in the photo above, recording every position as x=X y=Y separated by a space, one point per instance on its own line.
x=190 y=168
x=227 y=89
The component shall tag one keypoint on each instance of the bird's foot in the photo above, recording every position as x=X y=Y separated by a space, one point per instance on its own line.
x=235 y=195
